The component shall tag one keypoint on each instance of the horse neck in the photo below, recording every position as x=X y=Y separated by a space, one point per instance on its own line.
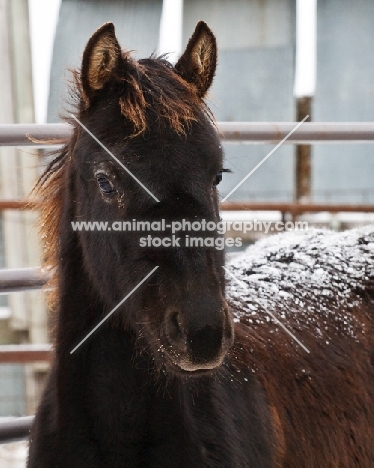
x=80 y=309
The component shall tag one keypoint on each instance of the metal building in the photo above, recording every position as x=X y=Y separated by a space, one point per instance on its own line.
x=254 y=80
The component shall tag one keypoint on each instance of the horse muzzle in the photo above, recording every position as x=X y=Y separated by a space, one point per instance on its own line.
x=199 y=341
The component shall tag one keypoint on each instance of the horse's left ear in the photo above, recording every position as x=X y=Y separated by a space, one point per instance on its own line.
x=198 y=63
x=101 y=57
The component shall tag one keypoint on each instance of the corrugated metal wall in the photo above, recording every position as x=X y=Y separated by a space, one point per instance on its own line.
x=345 y=92
x=19 y=243
x=254 y=80
x=137 y=28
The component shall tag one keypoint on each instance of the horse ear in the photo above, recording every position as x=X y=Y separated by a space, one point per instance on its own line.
x=100 y=59
x=198 y=63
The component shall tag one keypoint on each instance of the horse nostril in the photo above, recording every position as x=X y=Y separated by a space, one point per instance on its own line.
x=174 y=326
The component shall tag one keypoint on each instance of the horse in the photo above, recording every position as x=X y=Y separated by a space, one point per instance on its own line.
x=160 y=358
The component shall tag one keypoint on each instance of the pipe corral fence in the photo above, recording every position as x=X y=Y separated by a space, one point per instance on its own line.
x=40 y=136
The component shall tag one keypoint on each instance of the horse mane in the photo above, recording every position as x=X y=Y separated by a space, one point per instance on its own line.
x=156 y=93
x=155 y=96
x=48 y=192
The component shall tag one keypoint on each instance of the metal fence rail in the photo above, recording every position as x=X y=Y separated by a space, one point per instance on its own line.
x=22 y=279
x=32 y=134
x=16 y=205
x=24 y=354
x=250 y=132
x=297 y=208
x=15 y=429
x=284 y=207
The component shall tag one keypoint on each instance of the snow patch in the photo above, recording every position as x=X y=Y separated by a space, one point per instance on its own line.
x=311 y=278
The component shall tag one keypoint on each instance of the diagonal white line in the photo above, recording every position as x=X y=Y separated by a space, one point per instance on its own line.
x=265 y=158
x=245 y=287
x=115 y=158
x=114 y=309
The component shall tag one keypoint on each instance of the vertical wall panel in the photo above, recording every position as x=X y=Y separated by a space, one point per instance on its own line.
x=254 y=82
x=345 y=92
x=137 y=25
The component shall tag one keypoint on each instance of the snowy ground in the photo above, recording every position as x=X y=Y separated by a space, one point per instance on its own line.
x=13 y=455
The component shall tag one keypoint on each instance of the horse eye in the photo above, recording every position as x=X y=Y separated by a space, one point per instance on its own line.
x=105 y=184
x=217 y=179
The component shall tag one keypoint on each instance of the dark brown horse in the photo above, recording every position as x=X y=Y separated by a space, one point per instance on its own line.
x=162 y=382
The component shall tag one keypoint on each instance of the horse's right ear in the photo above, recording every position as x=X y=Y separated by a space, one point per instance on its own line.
x=198 y=63
x=101 y=57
